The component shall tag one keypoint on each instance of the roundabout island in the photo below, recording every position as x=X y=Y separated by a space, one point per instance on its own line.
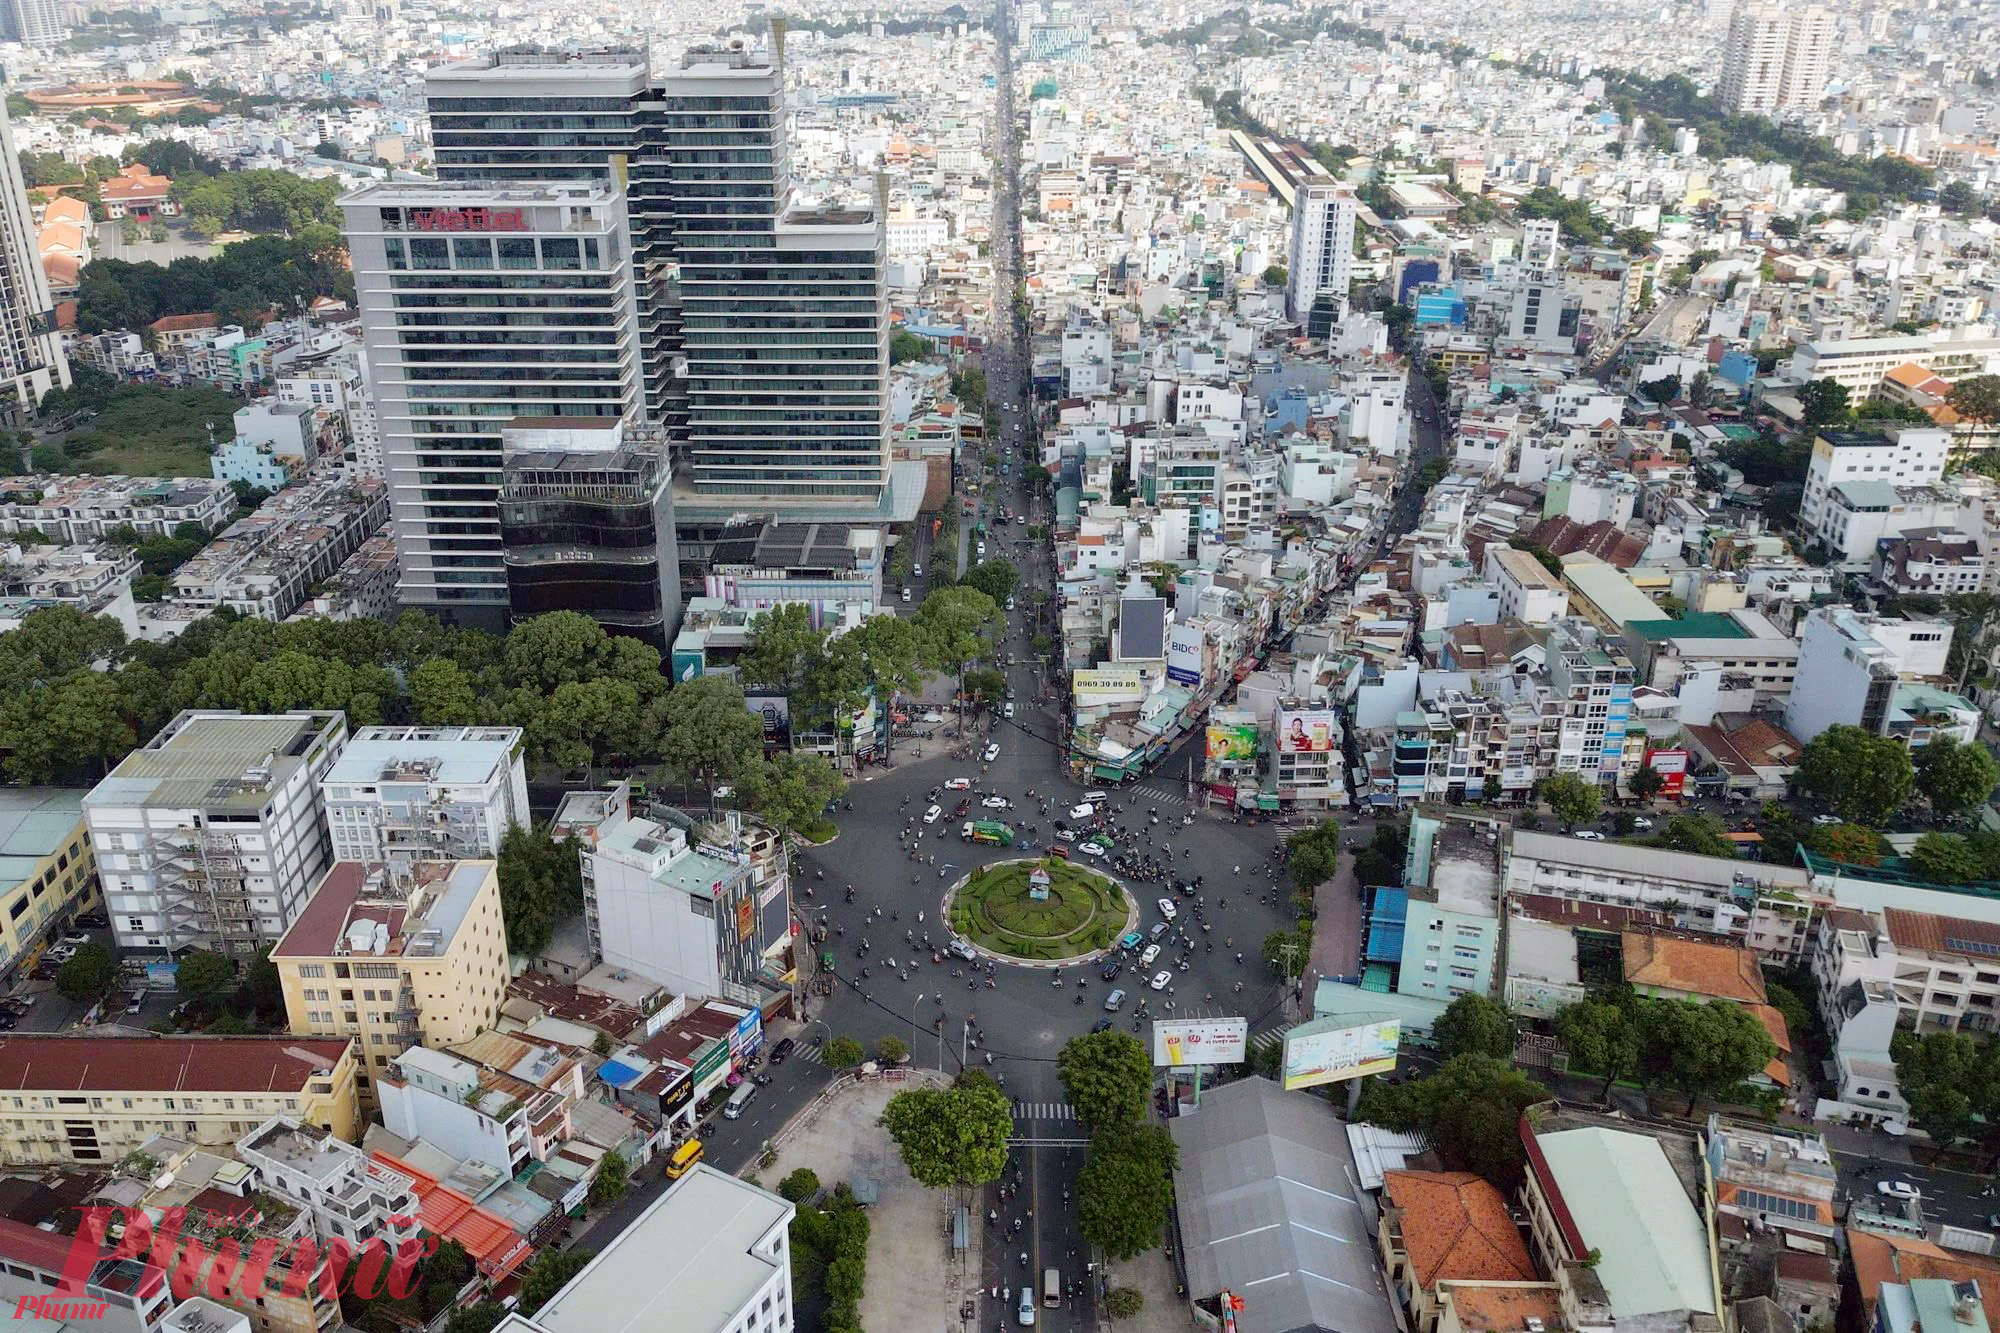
x=1039 y=911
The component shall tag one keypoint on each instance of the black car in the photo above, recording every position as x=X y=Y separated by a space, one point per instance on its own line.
x=93 y=921
x=781 y=1050
x=1101 y=1025
x=1111 y=970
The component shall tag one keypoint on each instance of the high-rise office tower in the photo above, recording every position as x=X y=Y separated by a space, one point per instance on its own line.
x=481 y=304
x=31 y=356
x=1775 y=57
x=765 y=324
x=32 y=22
x=1322 y=256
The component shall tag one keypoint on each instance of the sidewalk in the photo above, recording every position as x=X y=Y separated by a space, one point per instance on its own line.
x=1152 y=1275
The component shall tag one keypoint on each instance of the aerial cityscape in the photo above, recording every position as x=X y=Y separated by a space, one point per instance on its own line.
x=1417 y=586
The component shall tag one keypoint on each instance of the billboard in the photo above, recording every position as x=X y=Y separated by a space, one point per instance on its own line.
x=1184 y=654
x=1106 y=685
x=1307 y=731
x=1328 y=1050
x=775 y=712
x=1200 y=1041
x=1673 y=767
x=1238 y=742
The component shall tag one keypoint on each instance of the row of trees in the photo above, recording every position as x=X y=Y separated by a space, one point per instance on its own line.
x=1867 y=778
x=1126 y=1188
x=238 y=284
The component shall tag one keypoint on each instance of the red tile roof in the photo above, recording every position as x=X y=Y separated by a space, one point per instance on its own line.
x=1939 y=934
x=495 y=1247
x=1455 y=1225
x=50 y=1063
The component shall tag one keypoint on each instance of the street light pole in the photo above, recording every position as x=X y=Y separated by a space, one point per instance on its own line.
x=913 y=1021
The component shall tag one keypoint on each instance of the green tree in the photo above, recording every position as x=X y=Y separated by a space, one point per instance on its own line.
x=1946 y=858
x=954 y=622
x=907 y=346
x=1647 y=782
x=952 y=1136
x=259 y=990
x=1955 y=777
x=1286 y=954
x=783 y=647
x=1602 y=1037
x=548 y=1274
x=1856 y=844
x=799 y=1185
x=1701 y=834
x=1381 y=860
x=1107 y=1076
x=87 y=975
x=1126 y=1188
x=1823 y=403
x=478 y=1318
x=1976 y=399
x=1275 y=275
x=891 y=1050
x=1474 y=1025
x=442 y=694
x=995 y=578
x=1471 y=1107
x=842 y=1053
x=1663 y=390
x=709 y=735
x=204 y=976
x=1124 y=1303
x=1704 y=1050
x=613 y=1178
x=541 y=886
x=1313 y=854
x=1571 y=799
x=790 y=791
x=1864 y=777
x=1950 y=1079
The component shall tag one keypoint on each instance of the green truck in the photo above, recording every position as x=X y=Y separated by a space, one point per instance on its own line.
x=988 y=830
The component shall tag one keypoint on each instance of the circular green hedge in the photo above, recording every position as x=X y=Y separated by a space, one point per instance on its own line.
x=1084 y=912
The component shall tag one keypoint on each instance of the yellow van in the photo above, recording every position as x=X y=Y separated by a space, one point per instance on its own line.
x=684 y=1159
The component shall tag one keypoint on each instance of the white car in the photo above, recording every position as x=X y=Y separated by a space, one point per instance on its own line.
x=1588 y=835
x=1161 y=980
x=1084 y=811
x=1827 y=821
x=1146 y=958
x=991 y=752
x=1168 y=910
x=932 y=718
x=996 y=803
x=958 y=784
x=1007 y=709
x=931 y=815
x=1642 y=822
x=1092 y=849
x=1898 y=1189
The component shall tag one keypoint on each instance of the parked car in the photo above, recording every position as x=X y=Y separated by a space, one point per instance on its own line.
x=1827 y=821
x=1640 y=821
x=1588 y=835
x=93 y=921
x=932 y=718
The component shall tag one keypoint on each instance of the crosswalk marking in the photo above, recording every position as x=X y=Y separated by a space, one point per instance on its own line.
x=1162 y=796
x=810 y=1054
x=1043 y=1111
x=1268 y=1037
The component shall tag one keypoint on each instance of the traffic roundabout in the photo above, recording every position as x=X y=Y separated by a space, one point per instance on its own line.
x=1040 y=911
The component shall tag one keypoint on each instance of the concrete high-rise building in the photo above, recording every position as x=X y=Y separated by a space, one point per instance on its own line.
x=429 y=793
x=1774 y=57
x=31 y=356
x=32 y=22
x=1541 y=243
x=481 y=304
x=732 y=275
x=1322 y=255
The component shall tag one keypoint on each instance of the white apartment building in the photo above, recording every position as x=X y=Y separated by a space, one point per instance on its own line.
x=349 y=1194
x=67 y=510
x=1322 y=253
x=95 y=579
x=713 y=1249
x=1942 y=972
x=31 y=354
x=1850 y=664
x=1765 y=906
x=479 y=304
x=1857 y=363
x=1776 y=57
x=1899 y=455
x=655 y=905
x=504 y=1118
x=423 y=793
x=1528 y=592
x=209 y=835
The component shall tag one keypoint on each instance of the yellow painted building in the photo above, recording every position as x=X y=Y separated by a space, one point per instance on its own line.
x=396 y=957
x=47 y=870
x=92 y=1099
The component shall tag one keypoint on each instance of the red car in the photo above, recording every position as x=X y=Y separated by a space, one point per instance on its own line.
x=1058 y=849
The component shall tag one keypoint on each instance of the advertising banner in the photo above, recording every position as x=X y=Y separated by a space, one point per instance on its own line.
x=1329 y=1050
x=1306 y=731
x=1232 y=742
x=775 y=712
x=1672 y=766
x=1184 y=654
x=1200 y=1041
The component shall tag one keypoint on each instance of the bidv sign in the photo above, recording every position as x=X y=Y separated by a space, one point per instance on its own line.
x=468 y=219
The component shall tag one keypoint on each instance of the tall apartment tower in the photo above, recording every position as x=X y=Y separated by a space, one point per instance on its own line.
x=1775 y=57
x=31 y=356
x=480 y=304
x=764 y=323
x=32 y=22
x=1322 y=256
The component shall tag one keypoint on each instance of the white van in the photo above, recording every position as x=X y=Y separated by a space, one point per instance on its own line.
x=733 y=1108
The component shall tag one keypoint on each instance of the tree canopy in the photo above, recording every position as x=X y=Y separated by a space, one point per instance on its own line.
x=1572 y=799
x=1107 y=1076
x=1955 y=777
x=1313 y=854
x=238 y=283
x=1864 y=777
x=1951 y=1081
x=955 y=1135
x=1126 y=1188
x=541 y=886
x=1471 y=1107
x=1472 y=1024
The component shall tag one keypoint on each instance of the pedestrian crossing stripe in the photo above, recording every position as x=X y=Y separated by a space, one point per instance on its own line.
x=810 y=1054
x=1267 y=1038
x=1156 y=795
x=1043 y=1111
